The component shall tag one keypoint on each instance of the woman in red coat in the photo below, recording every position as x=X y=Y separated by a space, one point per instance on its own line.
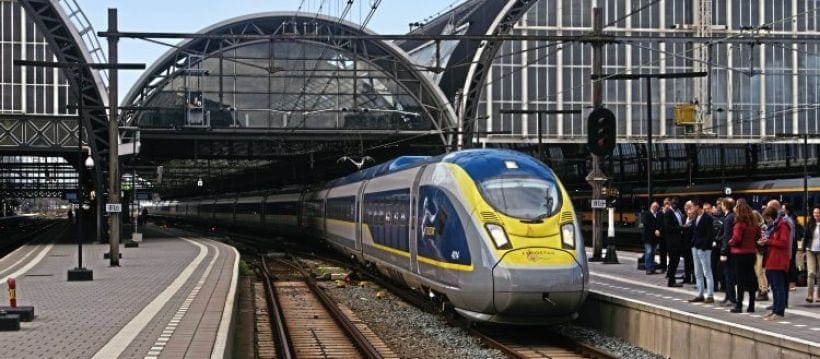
x=776 y=260
x=743 y=247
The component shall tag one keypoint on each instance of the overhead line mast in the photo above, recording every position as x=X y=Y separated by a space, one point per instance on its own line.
x=596 y=177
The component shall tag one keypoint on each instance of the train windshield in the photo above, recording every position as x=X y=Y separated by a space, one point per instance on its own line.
x=527 y=198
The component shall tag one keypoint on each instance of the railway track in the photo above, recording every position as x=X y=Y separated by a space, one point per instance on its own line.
x=305 y=323
x=515 y=342
x=535 y=343
x=17 y=233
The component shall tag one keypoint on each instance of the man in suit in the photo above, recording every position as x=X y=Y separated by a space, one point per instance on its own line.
x=651 y=234
x=703 y=234
x=672 y=226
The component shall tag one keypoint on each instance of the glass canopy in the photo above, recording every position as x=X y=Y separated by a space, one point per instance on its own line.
x=252 y=82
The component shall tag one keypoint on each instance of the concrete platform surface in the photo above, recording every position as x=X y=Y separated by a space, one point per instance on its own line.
x=171 y=297
x=801 y=322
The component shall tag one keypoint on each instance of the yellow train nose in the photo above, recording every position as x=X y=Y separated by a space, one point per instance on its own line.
x=554 y=287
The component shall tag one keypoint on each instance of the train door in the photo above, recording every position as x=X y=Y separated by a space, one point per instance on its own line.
x=413 y=227
x=359 y=217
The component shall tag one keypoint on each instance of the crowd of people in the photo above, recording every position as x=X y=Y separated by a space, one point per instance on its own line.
x=732 y=248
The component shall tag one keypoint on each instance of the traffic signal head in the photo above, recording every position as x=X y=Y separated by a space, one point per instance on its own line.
x=601 y=131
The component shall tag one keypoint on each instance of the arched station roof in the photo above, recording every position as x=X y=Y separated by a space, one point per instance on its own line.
x=68 y=45
x=249 y=78
x=465 y=64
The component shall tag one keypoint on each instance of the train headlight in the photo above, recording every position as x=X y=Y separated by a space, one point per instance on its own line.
x=498 y=235
x=568 y=236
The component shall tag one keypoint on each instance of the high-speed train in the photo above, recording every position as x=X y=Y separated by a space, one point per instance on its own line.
x=491 y=232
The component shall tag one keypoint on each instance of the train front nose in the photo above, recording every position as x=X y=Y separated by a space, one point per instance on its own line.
x=542 y=290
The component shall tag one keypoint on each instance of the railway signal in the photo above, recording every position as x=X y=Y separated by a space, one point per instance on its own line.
x=601 y=131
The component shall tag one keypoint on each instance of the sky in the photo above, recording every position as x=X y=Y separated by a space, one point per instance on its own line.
x=391 y=17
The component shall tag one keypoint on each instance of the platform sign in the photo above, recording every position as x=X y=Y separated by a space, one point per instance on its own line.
x=113 y=207
x=598 y=203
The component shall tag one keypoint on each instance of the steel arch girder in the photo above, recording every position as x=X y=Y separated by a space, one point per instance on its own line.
x=385 y=56
x=467 y=86
x=39 y=133
x=68 y=46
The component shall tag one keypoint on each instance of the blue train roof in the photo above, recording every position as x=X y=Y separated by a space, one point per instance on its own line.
x=484 y=164
x=479 y=164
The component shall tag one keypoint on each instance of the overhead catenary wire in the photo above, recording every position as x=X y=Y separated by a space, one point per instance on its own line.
x=315 y=67
x=633 y=12
x=639 y=46
x=373 y=8
x=702 y=46
x=555 y=51
x=769 y=114
x=798 y=50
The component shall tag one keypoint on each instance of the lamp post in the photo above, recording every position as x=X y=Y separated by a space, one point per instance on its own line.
x=113 y=160
x=81 y=273
x=134 y=209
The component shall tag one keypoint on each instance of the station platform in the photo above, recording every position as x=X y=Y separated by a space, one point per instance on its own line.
x=800 y=327
x=173 y=296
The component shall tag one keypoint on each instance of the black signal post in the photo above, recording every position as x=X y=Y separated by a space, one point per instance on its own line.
x=648 y=78
x=601 y=131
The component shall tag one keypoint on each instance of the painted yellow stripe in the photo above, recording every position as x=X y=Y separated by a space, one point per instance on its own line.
x=749 y=191
x=392 y=250
x=447 y=265
x=345 y=225
x=425 y=260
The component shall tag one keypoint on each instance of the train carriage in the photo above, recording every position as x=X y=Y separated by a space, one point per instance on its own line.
x=249 y=211
x=282 y=210
x=491 y=232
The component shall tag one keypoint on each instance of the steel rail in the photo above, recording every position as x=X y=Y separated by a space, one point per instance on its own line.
x=361 y=342
x=422 y=303
x=277 y=317
x=429 y=306
x=15 y=242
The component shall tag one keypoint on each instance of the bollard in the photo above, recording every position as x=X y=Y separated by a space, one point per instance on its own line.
x=9 y=320
x=21 y=313
x=12 y=292
x=611 y=254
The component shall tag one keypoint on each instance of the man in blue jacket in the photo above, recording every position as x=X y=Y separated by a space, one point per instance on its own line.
x=702 y=237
